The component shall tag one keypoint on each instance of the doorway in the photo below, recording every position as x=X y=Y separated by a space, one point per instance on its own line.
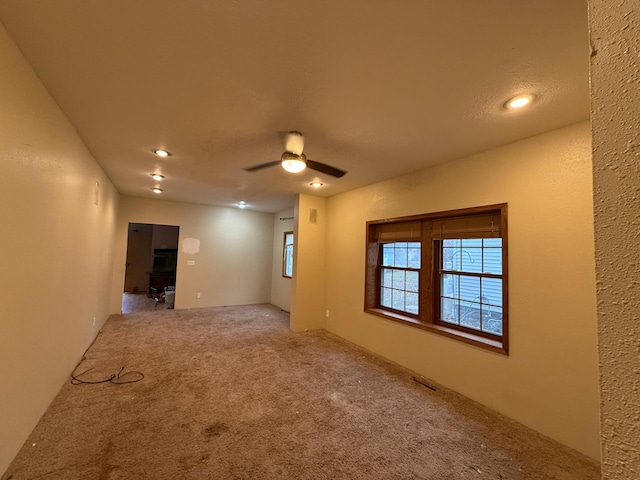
x=151 y=267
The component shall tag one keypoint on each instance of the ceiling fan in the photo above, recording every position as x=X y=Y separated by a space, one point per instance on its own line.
x=294 y=161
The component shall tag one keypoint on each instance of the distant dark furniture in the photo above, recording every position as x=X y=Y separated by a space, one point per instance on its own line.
x=158 y=281
x=163 y=275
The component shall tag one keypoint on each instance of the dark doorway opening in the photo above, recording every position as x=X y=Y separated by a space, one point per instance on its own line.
x=151 y=267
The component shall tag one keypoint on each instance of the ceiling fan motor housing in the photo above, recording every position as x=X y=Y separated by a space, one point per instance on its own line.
x=294 y=143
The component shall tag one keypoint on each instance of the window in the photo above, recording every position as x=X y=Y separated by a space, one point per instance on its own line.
x=287 y=255
x=443 y=272
x=470 y=283
x=400 y=276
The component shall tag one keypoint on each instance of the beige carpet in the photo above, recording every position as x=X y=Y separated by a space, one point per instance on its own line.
x=231 y=393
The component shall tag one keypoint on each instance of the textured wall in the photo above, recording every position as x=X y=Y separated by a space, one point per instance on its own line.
x=549 y=381
x=615 y=100
x=57 y=246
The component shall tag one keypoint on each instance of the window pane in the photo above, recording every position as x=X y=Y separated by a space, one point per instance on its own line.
x=449 y=310
x=412 y=303
x=386 y=277
x=451 y=258
x=413 y=257
x=413 y=245
x=492 y=319
x=470 y=288
x=449 y=286
x=492 y=242
x=471 y=242
x=492 y=261
x=411 y=281
x=387 y=254
x=479 y=299
x=401 y=255
x=492 y=291
x=398 y=279
x=451 y=243
x=287 y=257
x=471 y=259
x=385 y=297
x=398 y=300
x=470 y=315
x=288 y=260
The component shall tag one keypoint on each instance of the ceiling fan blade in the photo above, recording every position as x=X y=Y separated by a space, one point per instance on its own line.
x=324 y=168
x=262 y=165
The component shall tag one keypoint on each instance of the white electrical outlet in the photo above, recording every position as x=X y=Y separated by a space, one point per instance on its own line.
x=198 y=295
x=191 y=263
x=326 y=314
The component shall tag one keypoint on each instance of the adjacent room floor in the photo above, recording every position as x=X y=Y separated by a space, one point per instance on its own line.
x=232 y=393
x=141 y=302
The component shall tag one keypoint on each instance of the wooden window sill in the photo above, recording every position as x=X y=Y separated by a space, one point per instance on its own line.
x=497 y=346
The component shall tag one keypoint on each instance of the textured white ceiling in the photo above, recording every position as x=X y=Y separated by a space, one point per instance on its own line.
x=379 y=88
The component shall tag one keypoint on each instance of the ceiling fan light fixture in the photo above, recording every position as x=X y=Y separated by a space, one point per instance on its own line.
x=294 y=166
x=293 y=163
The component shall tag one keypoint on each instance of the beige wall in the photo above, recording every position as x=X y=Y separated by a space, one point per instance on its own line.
x=550 y=379
x=615 y=113
x=56 y=244
x=233 y=264
x=139 y=260
x=308 y=301
x=280 y=286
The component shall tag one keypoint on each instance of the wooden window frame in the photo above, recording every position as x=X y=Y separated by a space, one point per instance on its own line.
x=429 y=296
x=284 y=255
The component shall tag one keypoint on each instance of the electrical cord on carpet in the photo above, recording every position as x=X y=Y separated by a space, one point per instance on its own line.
x=115 y=378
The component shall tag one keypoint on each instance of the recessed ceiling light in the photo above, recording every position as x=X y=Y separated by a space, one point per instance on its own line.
x=316 y=184
x=519 y=101
x=161 y=153
x=156 y=190
x=242 y=204
x=156 y=176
